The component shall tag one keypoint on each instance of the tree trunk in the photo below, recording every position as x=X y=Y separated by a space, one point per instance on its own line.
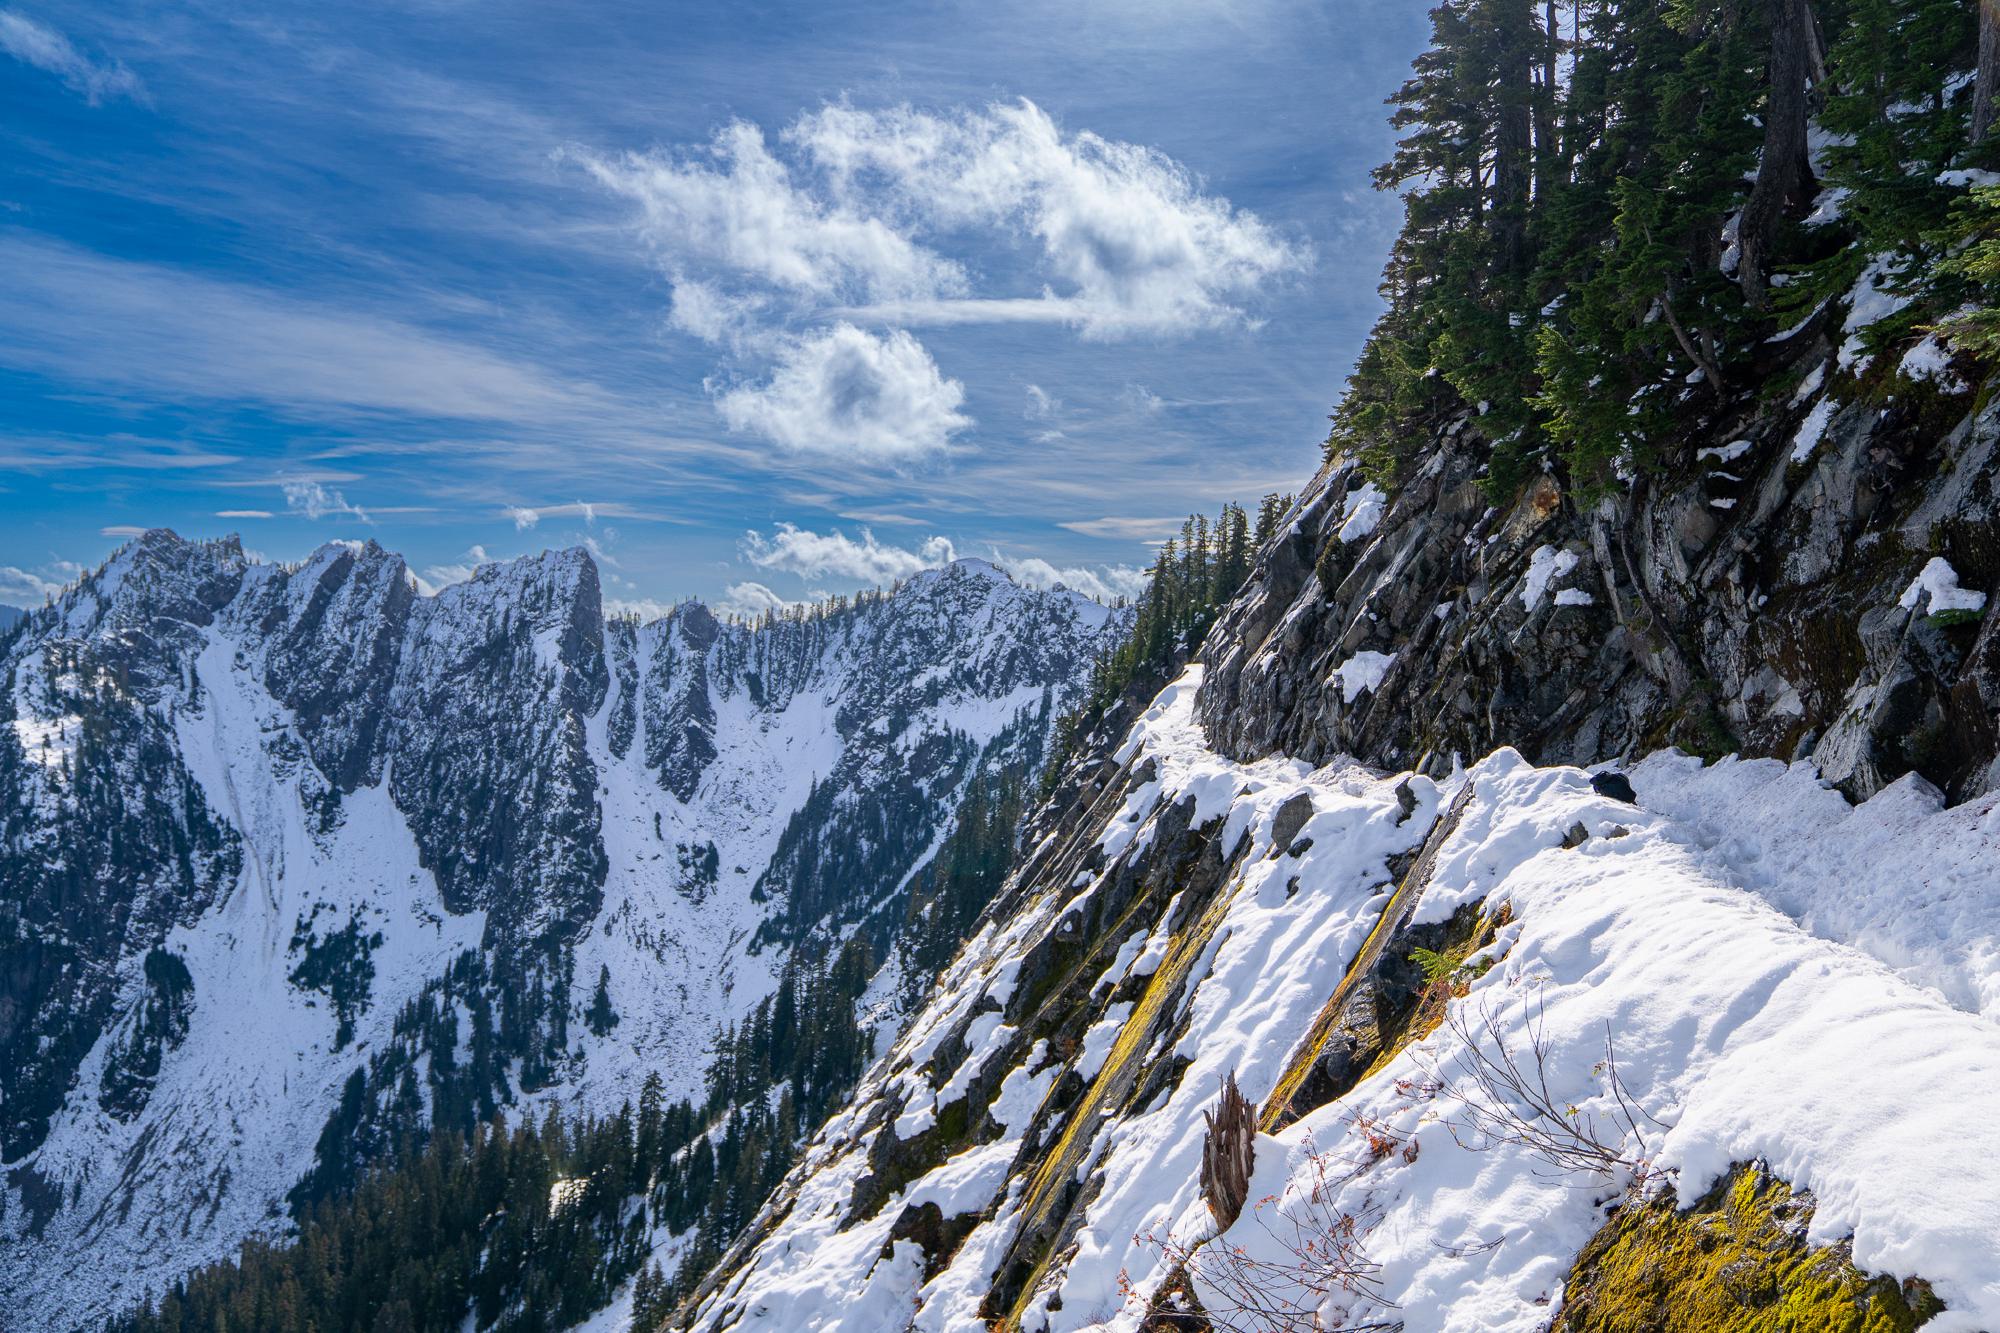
x=1513 y=140
x=1784 y=173
x=1984 y=89
x=1572 y=122
x=1550 y=168
x=1702 y=353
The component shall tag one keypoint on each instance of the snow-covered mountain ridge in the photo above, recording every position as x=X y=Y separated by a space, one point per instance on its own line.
x=1030 y=1153
x=252 y=813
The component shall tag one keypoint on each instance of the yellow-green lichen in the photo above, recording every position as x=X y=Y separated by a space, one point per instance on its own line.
x=1736 y=1262
x=1278 y=1109
x=1059 y=1165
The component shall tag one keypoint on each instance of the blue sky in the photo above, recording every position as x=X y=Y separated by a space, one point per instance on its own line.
x=759 y=300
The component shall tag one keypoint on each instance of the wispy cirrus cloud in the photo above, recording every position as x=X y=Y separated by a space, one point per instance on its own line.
x=37 y=44
x=524 y=517
x=150 y=329
x=1150 y=530
x=120 y=452
x=1139 y=399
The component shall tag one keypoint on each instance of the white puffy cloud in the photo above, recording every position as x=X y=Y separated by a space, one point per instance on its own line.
x=714 y=315
x=21 y=587
x=46 y=49
x=777 y=250
x=813 y=555
x=846 y=391
x=1106 y=583
x=315 y=501
x=1128 y=241
x=1139 y=247
x=523 y=517
x=733 y=205
x=751 y=599
x=648 y=609
x=443 y=576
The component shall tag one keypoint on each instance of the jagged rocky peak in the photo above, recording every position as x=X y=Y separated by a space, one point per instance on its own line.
x=332 y=632
x=340 y=857
x=1007 y=631
x=679 y=696
x=143 y=611
x=497 y=679
x=544 y=614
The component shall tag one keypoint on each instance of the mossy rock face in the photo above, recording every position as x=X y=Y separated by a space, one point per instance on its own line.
x=1736 y=1262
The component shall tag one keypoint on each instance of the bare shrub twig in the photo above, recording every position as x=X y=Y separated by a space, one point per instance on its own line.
x=1512 y=1103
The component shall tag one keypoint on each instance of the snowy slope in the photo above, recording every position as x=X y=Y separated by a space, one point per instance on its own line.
x=1772 y=1000
x=327 y=792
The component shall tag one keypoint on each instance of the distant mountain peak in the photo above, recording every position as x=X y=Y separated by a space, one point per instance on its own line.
x=346 y=809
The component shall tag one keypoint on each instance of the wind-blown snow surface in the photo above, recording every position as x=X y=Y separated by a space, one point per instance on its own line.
x=695 y=752
x=1786 y=978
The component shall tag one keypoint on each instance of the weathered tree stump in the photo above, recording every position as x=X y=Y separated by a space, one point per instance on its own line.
x=1227 y=1154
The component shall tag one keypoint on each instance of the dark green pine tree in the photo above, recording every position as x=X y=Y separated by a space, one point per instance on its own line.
x=1899 y=132
x=1641 y=302
x=600 y=1018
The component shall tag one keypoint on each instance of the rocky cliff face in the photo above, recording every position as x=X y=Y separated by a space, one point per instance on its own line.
x=1296 y=870
x=296 y=860
x=1764 y=594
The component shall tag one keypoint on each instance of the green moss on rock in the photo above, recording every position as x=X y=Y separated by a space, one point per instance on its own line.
x=1735 y=1262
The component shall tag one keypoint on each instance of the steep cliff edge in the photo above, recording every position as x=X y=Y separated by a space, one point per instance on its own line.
x=1771 y=591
